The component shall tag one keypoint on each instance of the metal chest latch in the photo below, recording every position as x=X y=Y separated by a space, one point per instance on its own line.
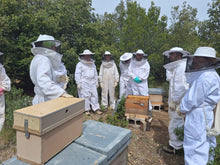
x=27 y=134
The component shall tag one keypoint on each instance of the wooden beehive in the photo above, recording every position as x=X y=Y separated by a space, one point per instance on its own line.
x=156 y=98
x=137 y=106
x=44 y=129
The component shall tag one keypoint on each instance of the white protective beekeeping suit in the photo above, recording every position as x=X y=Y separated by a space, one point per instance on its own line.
x=203 y=94
x=139 y=72
x=86 y=78
x=5 y=85
x=175 y=74
x=47 y=70
x=108 y=77
x=125 y=81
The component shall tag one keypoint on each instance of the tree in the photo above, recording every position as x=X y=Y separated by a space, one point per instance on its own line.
x=145 y=31
x=183 y=28
x=22 y=21
x=209 y=30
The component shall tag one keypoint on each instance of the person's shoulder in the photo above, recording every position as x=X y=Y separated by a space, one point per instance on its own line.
x=40 y=58
x=209 y=76
x=78 y=64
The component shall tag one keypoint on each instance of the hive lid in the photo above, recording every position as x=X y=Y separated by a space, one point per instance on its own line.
x=72 y=154
x=155 y=91
x=104 y=138
x=41 y=118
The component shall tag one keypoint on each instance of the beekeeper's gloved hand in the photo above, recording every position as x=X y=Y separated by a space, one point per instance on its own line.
x=66 y=95
x=79 y=86
x=172 y=106
x=101 y=85
x=64 y=79
x=179 y=113
x=115 y=84
x=137 y=80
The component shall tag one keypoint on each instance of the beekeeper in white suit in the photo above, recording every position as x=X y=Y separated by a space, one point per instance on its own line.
x=175 y=73
x=139 y=70
x=5 y=85
x=108 y=78
x=198 y=104
x=47 y=72
x=125 y=83
x=86 y=78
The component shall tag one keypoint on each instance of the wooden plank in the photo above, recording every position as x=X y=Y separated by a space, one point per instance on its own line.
x=156 y=103
x=132 y=116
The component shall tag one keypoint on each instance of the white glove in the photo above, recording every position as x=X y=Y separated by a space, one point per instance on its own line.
x=172 y=106
x=101 y=85
x=79 y=86
x=64 y=86
x=115 y=84
x=66 y=95
x=179 y=113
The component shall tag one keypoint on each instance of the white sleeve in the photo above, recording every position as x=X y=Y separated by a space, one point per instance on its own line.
x=44 y=79
x=5 y=81
x=146 y=73
x=78 y=73
x=116 y=74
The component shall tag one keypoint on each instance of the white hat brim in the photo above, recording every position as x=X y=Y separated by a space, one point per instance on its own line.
x=183 y=52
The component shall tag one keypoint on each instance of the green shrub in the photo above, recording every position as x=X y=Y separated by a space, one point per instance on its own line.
x=15 y=99
x=179 y=132
x=216 y=151
x=118 y=118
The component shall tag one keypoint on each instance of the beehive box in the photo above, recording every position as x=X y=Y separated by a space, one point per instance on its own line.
x=44 y=129
x=156 y=98
x=137 y=106
x=99 y=144
x=106 y=139
x=73 y=154
x=156 y=95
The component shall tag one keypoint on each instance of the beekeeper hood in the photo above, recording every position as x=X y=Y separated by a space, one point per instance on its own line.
x=48 y=42
x=204 y=58
x=139 y=52
x=47 y=46
x=107 y=53
x=86 y=57
x=174 y=54
x=126 y=57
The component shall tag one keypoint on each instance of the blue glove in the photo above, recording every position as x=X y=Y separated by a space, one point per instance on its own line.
x=137 y=80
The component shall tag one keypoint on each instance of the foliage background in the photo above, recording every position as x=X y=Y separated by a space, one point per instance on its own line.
x=74 y=23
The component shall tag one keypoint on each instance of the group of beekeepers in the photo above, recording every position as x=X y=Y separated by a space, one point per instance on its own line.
x=194 y=89
x=133 y=79
x=49 y=75
x=194 y=92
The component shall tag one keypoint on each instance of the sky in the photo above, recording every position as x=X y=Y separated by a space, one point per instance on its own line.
x=102 y=6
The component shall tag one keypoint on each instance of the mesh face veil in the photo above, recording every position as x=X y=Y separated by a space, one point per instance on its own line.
x=204 y=58
x=53 y=45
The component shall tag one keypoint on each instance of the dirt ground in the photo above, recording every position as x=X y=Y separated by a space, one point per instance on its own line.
x=145 y=147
